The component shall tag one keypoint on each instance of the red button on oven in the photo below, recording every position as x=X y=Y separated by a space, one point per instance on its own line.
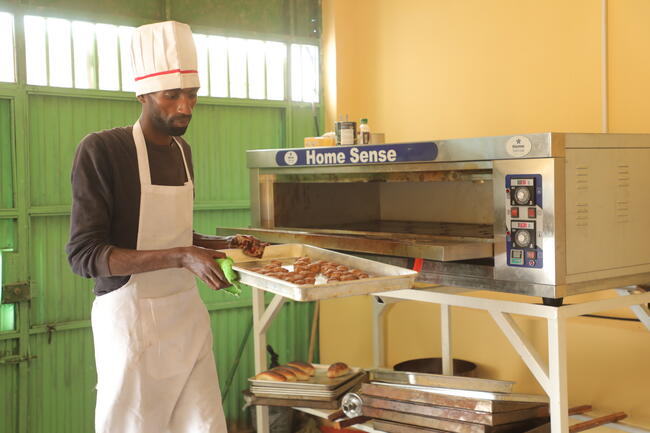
x=514 y=212
x=532 y=212
x=531 y=255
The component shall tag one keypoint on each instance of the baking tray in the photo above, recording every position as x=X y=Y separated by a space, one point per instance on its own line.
x=440 y=381
x=384 y=277
x=472 y=400
x=306 y=393
x=318 y=382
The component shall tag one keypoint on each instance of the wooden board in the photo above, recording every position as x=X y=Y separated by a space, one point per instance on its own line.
x=446 y=424
x=394 y=427
x=417 y=396
x=491 y=419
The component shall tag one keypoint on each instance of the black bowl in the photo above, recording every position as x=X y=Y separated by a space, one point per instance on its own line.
x=434 y=366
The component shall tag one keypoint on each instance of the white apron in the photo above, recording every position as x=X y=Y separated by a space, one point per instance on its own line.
x=153 y=344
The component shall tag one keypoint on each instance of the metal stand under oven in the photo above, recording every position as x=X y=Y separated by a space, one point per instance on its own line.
x=551 y=374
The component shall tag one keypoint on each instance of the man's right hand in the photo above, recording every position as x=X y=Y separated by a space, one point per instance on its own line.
x=202 y=263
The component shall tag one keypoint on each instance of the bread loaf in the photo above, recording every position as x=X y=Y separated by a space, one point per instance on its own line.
x=304 y=366
x=288 y=374
x=271 y=375
x=301 y=375
x=337 y=369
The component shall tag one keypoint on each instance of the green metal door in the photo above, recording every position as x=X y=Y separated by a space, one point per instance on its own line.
x=58 y=390
x=47 y=369
x=9 y=349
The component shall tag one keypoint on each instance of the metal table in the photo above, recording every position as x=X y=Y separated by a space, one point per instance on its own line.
x=551 y=374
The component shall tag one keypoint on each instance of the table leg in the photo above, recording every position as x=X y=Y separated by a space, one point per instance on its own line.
x=445 y=340
x=557 y=362
x=259 y=344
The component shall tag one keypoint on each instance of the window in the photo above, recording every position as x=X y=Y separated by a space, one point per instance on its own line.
x=241 y=68
x=86 y=55
x=304 y=73
x=107 y=56
x=61 y=53
x=7 y=66
x=83 y=48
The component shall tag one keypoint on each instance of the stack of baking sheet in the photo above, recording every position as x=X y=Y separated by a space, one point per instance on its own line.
x=319 y=391
x=415 y=402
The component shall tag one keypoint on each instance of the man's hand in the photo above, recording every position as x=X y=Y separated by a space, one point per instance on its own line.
x=201 y=262
x=250 y=245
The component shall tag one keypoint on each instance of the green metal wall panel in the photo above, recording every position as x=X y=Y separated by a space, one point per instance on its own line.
x=307 y=18
x=7 y=234
x=62 y=382
x=263 y=16
x=56 y=126
x=8 y=388
x=59 y=296
x=258 y=16
x=288 y=335
x=7 y=311
x=6 y=171
x=304 y=124
x=220 y=136
x=141 y=9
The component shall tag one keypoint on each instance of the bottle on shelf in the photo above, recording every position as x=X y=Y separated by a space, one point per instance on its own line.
x=364 y=132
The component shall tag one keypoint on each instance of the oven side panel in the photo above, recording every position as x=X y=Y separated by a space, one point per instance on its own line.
x=529 y=209
x=608 y=209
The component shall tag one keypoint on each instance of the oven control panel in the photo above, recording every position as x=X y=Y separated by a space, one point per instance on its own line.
x=524 y=225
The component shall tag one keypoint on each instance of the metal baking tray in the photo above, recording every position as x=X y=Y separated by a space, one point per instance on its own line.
x=440 y=381
x=307 y=393
x=319 y=381
x=384 y=277
x=477 y=395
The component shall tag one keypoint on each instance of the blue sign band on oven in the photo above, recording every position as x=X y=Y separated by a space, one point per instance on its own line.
x=354 y=155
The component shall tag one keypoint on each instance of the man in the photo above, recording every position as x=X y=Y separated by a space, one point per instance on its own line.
x=131 y=230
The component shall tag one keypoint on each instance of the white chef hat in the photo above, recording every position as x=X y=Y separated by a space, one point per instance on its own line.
x=163 y=57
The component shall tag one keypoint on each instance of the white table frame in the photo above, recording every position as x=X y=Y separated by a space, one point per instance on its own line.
x=551 y=375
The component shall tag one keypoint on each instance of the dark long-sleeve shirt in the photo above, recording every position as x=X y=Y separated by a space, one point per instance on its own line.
x=106 y=199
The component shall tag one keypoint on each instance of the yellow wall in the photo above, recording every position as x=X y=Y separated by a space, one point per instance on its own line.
x=423 y=69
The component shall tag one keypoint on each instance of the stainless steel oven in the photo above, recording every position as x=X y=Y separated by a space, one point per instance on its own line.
x=548 y=215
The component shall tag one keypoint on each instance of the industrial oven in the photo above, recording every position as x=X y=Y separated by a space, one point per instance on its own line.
x=550 y=214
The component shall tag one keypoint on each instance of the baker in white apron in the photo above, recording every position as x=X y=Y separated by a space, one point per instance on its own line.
x=153 y=341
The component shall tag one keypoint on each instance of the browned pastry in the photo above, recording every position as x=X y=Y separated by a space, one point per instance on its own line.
x=304 y=366
x=301 y=375
x=288 y=374
x=248 y=244
x=337 y=369
x=271 y=375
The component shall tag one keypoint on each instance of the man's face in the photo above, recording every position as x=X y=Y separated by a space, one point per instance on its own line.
x=171 y=110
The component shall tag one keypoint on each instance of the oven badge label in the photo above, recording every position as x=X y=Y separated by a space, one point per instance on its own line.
x=290 y=158
x=518 y=146
x=347 y=155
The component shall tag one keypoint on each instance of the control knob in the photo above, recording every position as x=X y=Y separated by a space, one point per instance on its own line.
x=522 y=238
x=522 y=195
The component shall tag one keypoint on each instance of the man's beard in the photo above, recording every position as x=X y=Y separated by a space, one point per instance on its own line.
x=167 y=128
